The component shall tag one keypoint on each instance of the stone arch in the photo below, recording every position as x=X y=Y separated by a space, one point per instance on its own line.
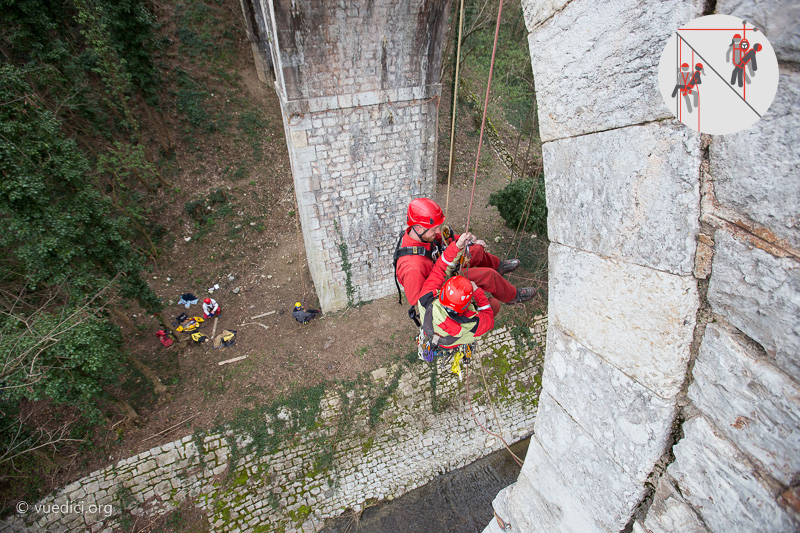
x=672 y=351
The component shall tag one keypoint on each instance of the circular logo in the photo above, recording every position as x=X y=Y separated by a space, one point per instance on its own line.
x=718 y=74
x=22 y=507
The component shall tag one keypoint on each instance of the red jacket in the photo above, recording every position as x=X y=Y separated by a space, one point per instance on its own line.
x=413 y=270
x=454 y=329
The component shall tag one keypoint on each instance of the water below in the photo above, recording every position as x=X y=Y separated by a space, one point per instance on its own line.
x=459 y=501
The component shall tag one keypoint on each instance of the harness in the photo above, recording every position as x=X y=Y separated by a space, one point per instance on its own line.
x=428 y=344
x=750 y=55
x=687 y=85
x=428 y=349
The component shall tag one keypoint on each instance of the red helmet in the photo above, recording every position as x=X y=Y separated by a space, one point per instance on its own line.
x=685 y=65
x=737 y=36
x=698 y=66
x=424 y=212
x=207 y=301
x=456 y=293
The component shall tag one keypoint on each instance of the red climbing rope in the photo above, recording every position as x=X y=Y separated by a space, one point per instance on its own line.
x=485 y=107
x=469 y=399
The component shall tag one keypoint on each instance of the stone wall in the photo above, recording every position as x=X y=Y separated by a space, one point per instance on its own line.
x=737 y=463
x=359 y=90
x=671 y=389
x=254 y=482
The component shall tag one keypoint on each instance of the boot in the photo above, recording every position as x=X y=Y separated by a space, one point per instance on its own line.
x=524 y=294
x=508 y=266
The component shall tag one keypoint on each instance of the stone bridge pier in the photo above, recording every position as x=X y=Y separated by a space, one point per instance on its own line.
x=359 y=89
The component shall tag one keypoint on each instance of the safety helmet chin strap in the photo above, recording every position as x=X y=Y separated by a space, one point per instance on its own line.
x=417 y=233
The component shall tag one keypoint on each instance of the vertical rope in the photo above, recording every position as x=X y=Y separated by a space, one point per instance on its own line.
x=455 y=103
x=485 y=107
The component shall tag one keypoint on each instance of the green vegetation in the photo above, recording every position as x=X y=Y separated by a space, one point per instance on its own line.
x=522 y=204
x=73 y=234
x=379 y=405
x=299 y=516
x=512 y=85
x=346 y=267
x=288 y=416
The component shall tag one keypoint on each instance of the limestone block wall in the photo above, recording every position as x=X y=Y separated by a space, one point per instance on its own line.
x=671 y=396
x=359 y=89
x=294 y=485
x=737 y=464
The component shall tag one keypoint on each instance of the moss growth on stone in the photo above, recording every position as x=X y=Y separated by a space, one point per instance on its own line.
x=299 y=515
x=346 y=267
x=240 y=479
x=197 y=438
x=379 y=404
x=367 y=446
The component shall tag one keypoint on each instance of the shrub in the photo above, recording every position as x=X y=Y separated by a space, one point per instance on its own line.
x=513 y=199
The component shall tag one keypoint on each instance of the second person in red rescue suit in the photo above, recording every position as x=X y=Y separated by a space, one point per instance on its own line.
x=425 y=220
x=450 y=320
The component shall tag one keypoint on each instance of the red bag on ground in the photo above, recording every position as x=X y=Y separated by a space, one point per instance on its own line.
x=164 y=338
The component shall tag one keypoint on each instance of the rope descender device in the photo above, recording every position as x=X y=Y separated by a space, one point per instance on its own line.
x=428 y=350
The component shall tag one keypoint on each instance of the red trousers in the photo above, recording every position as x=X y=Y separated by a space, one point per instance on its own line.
x=483 y=271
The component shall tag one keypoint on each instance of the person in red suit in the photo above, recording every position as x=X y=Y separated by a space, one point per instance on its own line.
x=422 y=243
x=460 y=312
x=210 y=308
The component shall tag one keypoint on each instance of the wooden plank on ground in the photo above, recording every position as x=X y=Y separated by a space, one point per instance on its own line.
x=226 y=361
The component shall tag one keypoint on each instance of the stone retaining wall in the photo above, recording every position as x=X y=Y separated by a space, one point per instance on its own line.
x=294 y=486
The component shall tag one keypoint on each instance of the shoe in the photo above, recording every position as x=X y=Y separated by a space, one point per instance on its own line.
x=524 y=294
x=508 y=266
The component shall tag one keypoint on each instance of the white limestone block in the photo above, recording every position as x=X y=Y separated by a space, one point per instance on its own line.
x=757 y=170
x=542 y=501
x=638 y=319
x=760 y=295
x=754 y=404
x=778 y=19
x=630 y=193
x=601 y=484
x=628 y=421
x=595 y=68
x=538 y=11
x=670 y=513
x=720 y=483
